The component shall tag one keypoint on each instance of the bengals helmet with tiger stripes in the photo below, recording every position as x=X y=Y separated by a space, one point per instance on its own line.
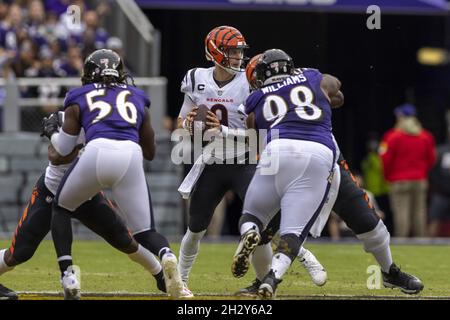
x=218 y=43
x=250 y=71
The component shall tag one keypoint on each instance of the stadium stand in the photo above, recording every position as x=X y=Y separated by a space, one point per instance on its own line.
x=41 y=56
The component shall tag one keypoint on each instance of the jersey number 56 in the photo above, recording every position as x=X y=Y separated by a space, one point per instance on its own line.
x=127 y=110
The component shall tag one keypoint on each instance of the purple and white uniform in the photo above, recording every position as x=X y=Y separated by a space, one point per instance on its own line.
x=297 y=165
x=111 y=118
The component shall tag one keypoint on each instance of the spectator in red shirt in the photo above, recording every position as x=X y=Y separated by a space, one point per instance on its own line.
x=408 y=153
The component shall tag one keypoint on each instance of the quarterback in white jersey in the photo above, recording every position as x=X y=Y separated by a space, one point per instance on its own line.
x=222 y=88
x=200 y=87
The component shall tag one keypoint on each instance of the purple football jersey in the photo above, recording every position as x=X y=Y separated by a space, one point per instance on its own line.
x=113 y=112
x=296 y=107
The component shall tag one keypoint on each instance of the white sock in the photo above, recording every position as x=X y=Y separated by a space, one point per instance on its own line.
x=3 y=266
x=188 y=252
x=262 y=259
x=146 y=259
x=301 y=253
x=377 y=242
x=280 y=264
x=247 y=226
x=383 y=257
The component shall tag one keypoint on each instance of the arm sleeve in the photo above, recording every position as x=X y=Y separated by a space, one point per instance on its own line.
x=188 y=84
x=63 y=142
x=186 y=107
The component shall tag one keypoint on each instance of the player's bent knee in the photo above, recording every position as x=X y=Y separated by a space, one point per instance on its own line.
x=123 y=243
x=120 y=239
x=21 y=254
x=197 y=225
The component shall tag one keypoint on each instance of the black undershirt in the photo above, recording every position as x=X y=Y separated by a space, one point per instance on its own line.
x=221 y=84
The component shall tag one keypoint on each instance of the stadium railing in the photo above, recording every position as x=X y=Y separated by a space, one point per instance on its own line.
x=12 y=102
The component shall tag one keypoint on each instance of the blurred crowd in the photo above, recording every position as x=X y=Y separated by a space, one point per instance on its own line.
x=407 y=178
x=42 y=39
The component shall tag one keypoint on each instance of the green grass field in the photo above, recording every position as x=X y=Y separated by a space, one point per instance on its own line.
x=106 y=273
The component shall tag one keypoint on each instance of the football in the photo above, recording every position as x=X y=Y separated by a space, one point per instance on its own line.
x=199 y=123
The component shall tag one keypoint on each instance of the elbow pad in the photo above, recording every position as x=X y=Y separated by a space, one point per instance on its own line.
x=63 y=142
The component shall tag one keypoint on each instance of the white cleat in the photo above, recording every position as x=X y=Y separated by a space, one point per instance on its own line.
x=186 y=293
x=315 y=270
x=174 y=285
x=71 y=286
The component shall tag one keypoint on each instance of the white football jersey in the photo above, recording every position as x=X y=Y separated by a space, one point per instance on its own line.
x=199 y=85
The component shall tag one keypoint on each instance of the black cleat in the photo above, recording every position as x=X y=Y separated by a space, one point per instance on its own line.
x=251 y=290
x=160 y=281
x=241 y=259
x=7 y=294
x=396 y=278
x=268 y=286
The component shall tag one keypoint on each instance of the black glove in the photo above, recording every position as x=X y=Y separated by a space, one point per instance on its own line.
x=50 y=125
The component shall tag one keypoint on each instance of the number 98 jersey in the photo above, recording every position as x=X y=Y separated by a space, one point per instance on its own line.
x=113 y=112
x=224 y=101
x=295 y=108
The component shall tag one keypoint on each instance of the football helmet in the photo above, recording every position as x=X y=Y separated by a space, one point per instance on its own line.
x=275 y=65
x=102 y=64
x=223 y=44
x=250 y=71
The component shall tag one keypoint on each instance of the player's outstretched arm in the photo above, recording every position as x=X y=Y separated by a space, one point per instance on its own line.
x=331 y=86
x=147 y=137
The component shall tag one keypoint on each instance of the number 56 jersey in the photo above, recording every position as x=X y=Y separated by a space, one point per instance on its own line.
x=113 y=112
x=295 y=108
x=224 y=101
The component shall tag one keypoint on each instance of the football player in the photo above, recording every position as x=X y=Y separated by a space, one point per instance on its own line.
x=34 y=224
x=297 y=165
x=119 y=136
x=222 y=88
x=353 y=206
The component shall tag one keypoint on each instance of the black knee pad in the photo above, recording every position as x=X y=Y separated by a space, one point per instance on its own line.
x=250 y=218
x=289 y=245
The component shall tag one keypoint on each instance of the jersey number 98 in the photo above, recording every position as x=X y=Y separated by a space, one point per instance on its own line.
x=275 y=107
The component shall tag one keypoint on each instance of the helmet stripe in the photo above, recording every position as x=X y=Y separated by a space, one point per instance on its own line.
x=217 y=34
x=225 y=34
